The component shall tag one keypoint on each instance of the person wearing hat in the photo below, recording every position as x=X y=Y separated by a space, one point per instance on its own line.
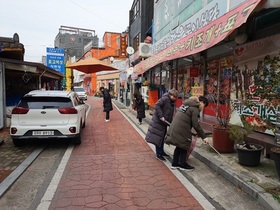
x=162 y=116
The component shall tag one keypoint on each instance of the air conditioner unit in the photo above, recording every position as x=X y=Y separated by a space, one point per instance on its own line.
x=145 y=50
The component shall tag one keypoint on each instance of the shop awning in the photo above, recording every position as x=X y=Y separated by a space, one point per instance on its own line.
x=203 y=38
x=31 y=67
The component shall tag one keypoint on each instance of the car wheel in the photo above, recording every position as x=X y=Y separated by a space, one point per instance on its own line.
x=77 y=140
x=84 y=124
x=18 y=142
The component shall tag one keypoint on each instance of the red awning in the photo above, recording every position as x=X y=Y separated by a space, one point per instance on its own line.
x=203 y=38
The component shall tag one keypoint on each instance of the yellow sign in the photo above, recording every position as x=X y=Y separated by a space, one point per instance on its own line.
x=197 y=91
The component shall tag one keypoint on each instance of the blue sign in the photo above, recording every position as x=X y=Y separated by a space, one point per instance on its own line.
x=55 y=59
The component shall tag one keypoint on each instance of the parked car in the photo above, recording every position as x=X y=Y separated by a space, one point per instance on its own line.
x=81 y=92
x=48 y=114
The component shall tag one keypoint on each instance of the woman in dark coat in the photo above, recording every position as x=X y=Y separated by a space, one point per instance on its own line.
x=164 y=109
x=107 y=103
x=139 y=106
x=179 y=134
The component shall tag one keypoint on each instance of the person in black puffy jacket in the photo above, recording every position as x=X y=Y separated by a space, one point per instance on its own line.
x=163 y=114
x=139 y=107
x=107 y=103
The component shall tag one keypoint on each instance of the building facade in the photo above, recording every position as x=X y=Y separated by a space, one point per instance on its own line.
x=112 y=52
x=222 y=50
x=73 y=40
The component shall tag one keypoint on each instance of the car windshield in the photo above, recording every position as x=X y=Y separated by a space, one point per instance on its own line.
x=45 y=102
x=79 y=89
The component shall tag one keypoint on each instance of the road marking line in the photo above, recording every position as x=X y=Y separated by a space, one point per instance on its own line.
x=48 y=196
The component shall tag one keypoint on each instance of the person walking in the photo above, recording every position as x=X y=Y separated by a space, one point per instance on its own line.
x=107 y=103
x=164 y=110
x=179 y=133
x=139 y=107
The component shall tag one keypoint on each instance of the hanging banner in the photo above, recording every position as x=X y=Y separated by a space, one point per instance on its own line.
x=203 y=38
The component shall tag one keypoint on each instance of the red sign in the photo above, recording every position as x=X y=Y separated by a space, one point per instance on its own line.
x=123 y=45
x=203 y=38
x=194 y=72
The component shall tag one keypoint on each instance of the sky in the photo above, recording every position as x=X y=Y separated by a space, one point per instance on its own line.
x=37 y=22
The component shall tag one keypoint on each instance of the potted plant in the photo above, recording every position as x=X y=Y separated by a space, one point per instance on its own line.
x=248 y=154
x=221 y=141
x=276 y=157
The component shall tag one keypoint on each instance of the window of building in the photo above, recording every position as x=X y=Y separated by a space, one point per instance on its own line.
x=62 y=40
x=118 y=41
x=136 y=43
x=136 y=10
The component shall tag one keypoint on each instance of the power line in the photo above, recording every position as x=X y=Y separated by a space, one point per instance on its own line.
x=108 y=21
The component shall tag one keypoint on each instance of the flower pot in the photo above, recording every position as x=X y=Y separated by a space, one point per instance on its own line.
x=276 y=157
x=249 y=157
x=221 y=141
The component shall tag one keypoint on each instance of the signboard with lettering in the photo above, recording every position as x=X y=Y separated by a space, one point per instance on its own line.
x=256 y=76
x=55 y=59
x=2 y=96
x=188 y=23
x=197 y=91
x=194 y=72
x=203 y=38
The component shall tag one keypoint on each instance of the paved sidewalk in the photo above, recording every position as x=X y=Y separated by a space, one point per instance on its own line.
x=258 y=182
x=10 y=156
x=114 y=168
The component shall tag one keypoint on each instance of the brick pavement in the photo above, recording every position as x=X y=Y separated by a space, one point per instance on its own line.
x=114 y=168
x=10 y=156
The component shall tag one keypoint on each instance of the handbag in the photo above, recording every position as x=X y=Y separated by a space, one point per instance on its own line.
x=192 y=146
x=133 y=106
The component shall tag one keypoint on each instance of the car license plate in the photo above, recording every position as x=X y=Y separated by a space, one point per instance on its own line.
x=43 y=133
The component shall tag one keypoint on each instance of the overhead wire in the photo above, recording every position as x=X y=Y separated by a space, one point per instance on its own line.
x=89 y=11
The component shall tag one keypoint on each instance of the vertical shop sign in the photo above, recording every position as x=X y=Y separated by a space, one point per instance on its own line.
x=55 y=59
x=123 y=45
x=2 y=97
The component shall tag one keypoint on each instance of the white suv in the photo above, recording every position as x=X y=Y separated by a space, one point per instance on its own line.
x=48 y=114
x=81 y=92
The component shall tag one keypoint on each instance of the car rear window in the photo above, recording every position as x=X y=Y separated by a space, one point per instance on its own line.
x=45 y=102
x=79 y=90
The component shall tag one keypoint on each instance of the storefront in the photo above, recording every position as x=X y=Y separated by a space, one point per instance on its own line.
x=257 y=80
x=185 y=58
x=217 y=83
x=21 y=77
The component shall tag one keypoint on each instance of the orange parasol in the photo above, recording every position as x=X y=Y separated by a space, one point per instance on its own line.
x=91 y=65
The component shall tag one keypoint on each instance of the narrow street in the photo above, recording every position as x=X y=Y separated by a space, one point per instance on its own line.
x=114 y=168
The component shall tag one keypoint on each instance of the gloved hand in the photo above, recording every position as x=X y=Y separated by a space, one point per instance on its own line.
x=162 y=119
x=205 y=141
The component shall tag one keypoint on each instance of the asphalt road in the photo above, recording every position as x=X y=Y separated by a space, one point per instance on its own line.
x=29 y=188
